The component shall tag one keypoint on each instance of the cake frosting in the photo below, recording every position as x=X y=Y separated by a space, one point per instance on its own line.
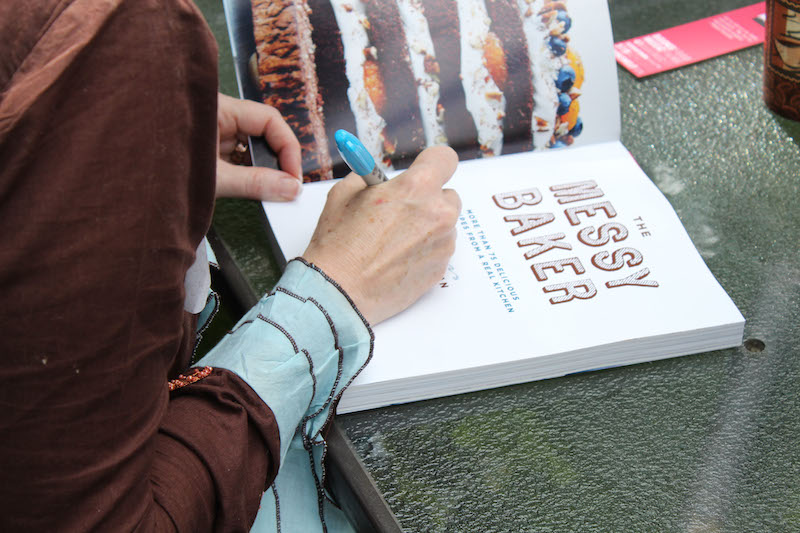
x=370 y=126
x=507 y=58
x=332 y=79
x=400 y=106
x=425 y=68
x=485 y=101
x=459 y=126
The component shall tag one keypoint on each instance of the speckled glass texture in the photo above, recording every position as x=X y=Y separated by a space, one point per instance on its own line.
x=706 y=442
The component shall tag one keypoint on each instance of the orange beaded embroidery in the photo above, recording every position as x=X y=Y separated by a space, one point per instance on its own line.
x=195 y=376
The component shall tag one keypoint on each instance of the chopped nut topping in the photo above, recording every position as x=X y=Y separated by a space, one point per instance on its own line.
x=542 y=124
x=371 y=52
x=389 y=146
x=439 y=113
x=373 y=82
x=494 y=58
x=431 y=65
x=553 y=6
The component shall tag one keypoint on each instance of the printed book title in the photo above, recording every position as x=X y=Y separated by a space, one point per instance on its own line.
x=567 y=279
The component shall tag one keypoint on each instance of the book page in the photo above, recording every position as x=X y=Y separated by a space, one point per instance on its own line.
x=487 y=78
x=559 y=252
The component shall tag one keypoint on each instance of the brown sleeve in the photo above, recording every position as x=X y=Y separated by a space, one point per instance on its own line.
x=107 y=162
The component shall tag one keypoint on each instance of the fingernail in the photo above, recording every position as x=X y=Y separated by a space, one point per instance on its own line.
x=289 y=188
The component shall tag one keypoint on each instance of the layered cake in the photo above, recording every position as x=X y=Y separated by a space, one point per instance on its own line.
x=285 y=59
x=557 y=73
x=486 y=77
x=516 y=81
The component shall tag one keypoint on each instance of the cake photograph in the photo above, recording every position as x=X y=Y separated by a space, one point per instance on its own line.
x=486 y=77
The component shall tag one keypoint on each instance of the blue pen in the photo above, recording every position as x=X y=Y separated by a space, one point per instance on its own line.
x=357 y=158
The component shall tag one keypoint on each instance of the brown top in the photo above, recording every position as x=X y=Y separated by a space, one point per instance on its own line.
x=107 y=162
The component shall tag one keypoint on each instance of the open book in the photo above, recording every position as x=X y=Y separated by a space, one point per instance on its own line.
x=568 y=258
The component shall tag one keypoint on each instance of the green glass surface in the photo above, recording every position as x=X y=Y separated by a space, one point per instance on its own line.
x=706 y=442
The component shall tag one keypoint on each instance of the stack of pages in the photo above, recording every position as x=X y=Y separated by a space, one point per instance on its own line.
x=568 y=257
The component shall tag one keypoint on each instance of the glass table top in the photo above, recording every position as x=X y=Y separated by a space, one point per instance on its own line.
x=706 y=442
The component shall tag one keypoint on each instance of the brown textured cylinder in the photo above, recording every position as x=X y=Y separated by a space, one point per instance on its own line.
x=288 y=80
x=782 y=58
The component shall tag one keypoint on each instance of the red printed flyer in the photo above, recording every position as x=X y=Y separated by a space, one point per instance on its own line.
x=692 y=42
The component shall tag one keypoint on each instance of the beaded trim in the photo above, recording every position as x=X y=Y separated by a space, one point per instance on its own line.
x=196 y=375
x=277 y=508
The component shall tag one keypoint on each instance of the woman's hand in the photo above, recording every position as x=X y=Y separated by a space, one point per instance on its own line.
x=388 y=244
x=236 y=120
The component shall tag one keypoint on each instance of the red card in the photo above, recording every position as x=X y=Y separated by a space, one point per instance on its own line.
x=693 y=42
